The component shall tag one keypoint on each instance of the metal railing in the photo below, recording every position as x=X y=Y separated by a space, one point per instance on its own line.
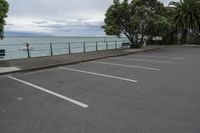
x=16 y=51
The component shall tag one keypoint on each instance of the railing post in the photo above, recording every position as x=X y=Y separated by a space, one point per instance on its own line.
x=51 y=49
x=28 y=52
x=83 y=47
x=115 y=44
x=106 y=45
x=69 y=48
x=123 y=43
x=96 y=46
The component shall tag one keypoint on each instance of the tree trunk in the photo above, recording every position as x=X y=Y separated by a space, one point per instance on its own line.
x=132 y=44
x=184 y=36
x=131 y=40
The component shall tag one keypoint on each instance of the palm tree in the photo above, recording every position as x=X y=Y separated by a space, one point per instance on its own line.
x=186 y=17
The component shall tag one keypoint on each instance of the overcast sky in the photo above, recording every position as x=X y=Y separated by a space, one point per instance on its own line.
x=58 y=17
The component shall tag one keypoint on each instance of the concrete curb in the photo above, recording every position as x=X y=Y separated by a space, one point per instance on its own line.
x=77 y=61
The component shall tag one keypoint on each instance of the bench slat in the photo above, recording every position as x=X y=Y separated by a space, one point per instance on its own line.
x=125 y=45
x=2 y=52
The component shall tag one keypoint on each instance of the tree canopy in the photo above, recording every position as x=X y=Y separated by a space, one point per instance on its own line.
x=136 y=19
x=186 y=17
x=3 y=14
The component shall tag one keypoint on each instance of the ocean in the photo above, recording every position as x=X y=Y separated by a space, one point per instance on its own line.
x=15 y=47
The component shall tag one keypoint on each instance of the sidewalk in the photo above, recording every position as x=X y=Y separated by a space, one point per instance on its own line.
x=38 y=63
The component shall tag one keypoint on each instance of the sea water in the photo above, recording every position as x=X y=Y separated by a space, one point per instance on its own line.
x=41 y=46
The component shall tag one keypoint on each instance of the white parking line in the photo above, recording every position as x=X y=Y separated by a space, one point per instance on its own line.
x=99 y=74
x=123 y=65
x=158 y=56
x=50 y=92
x=147 y=60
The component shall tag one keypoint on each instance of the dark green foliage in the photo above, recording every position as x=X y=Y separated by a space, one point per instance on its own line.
x=186 y=17
x=3 y=14
x=195 y=40
x=170 y=38
x=136 y=19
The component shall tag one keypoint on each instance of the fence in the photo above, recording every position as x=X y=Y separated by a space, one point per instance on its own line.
x=16 y=51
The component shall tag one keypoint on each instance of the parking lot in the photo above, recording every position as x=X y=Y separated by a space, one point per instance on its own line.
x=149 y=92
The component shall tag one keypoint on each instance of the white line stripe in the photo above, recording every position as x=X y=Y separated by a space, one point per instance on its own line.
x=123 y=65
x=147 y=60
x=176 y=58
x=99 y=74
x=50 y=92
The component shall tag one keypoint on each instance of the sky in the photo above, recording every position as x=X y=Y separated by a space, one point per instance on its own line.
x=57 y=17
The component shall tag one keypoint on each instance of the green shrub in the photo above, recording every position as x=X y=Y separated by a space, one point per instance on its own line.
x=195 y=40
x=136 y=46
x=170 y=39
x=167 y=40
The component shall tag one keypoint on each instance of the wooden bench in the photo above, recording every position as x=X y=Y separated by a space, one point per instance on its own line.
x=125 y=45
x=2 y=52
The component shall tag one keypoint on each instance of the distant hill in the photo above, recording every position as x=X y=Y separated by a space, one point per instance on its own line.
x=24 y=34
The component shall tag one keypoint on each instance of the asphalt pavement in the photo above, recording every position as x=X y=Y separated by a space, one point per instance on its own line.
x=148 y=92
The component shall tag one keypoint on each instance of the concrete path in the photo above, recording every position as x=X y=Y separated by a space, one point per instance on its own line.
x=38 y=63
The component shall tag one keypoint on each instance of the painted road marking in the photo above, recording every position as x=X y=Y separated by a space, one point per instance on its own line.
x=147 y=60
x=50 y=92
x=98 y=74
x=167 y=57
x=123 y=65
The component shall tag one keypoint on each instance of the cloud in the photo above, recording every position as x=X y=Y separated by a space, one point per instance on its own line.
x=58 y=17
x=50 y=16
x=40 y=22
x=60 y=9
x=166 y=2
x=61 y=28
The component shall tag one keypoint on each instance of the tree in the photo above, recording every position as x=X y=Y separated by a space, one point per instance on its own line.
x=135 y=19
x=159 y=23
x=4 y=6
x=186 y=17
